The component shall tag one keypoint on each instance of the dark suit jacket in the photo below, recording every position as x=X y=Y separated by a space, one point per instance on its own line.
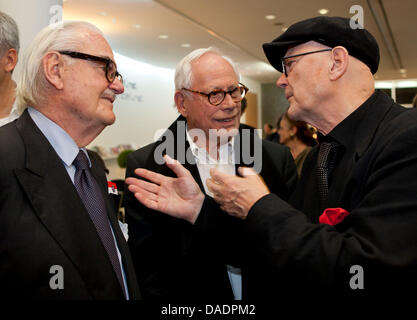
x=378 y=186
x=43 y=223
x=176 y=260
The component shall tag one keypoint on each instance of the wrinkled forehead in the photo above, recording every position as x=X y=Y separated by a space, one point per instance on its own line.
x=94 y=43
x=215 y=69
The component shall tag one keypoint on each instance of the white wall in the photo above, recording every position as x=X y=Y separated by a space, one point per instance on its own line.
x=144 y=107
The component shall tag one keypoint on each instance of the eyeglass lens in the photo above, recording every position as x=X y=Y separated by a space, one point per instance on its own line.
x=217 y=97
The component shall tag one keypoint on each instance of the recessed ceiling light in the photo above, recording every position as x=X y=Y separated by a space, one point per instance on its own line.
x=323 y=11
x=186 y=45
x=270 y=17
x=136 y=26
x=163 y=36
x=403 y=71
x=102 y=13
x=404 y=75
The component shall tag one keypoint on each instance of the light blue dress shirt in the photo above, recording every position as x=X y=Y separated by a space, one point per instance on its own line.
x=67 y=150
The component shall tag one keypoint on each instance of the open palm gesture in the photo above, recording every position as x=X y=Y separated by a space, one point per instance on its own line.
x=179 y=197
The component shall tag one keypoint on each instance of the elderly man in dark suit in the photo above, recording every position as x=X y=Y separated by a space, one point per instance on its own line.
x=350 y=227
x=191 y=259
x=59 y=237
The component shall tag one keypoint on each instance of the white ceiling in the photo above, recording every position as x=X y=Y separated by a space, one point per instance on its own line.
x=239 y=28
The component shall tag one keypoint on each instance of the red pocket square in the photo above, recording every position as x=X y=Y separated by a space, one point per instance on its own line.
x=333 y=216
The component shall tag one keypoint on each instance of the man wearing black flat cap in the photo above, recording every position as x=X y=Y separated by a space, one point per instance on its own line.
x=366 y=245
x=350 y=228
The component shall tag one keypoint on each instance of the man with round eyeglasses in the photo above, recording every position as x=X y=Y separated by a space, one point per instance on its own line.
x=60 y=238
x=200 y=260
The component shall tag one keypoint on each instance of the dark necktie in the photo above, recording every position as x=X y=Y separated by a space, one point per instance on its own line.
x=93 y=200
x=325 y=163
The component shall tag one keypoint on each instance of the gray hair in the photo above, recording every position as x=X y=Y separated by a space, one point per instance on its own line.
x=184 y=73
x=9 y=33
x=31 y=83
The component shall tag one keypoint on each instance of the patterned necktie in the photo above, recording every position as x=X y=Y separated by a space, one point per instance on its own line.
x=325 y=163
x=93 y=200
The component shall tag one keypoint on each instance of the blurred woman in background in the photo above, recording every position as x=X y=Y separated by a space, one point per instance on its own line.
x=298 y=136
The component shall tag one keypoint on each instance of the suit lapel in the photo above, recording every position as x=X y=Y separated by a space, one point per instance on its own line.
x=59 y=208
x=179 y=152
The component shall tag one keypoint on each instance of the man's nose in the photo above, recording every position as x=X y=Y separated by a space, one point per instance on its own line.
x=282 y=81
x=117 y=86
x=228 y=102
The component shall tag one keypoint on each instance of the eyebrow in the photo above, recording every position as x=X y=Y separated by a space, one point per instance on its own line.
x=228 y=88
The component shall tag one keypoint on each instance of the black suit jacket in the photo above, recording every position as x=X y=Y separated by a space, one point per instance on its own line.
x=43 y=223
x=176 y=260
x=377 y=186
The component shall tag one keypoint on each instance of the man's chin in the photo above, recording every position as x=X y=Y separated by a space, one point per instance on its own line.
x=293 y=113
x=109 y=120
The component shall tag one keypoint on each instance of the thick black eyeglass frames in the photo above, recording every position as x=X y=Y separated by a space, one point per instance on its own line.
x=110 y=68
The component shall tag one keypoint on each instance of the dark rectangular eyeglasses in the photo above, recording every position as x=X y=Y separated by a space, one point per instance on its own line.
x=110 y=68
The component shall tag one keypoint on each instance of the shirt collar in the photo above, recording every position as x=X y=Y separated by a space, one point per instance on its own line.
x=63 y=144
x=346 y=130
x=202 y=152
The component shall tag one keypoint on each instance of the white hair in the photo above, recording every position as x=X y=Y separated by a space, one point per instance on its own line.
x=184 y=72
x=9 y=33
x=31 y=82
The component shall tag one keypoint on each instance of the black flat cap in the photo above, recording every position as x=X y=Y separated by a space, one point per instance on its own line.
x=330 y=31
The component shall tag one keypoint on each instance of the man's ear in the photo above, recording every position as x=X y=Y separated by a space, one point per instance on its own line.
x=180 y=103
x=53 y=69
x=10 y=60
x=339 y=62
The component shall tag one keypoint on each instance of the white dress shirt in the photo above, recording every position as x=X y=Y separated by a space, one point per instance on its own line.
x=226 y=164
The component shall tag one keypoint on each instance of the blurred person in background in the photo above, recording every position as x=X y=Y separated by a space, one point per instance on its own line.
x=298 y=136
x=271 y=133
